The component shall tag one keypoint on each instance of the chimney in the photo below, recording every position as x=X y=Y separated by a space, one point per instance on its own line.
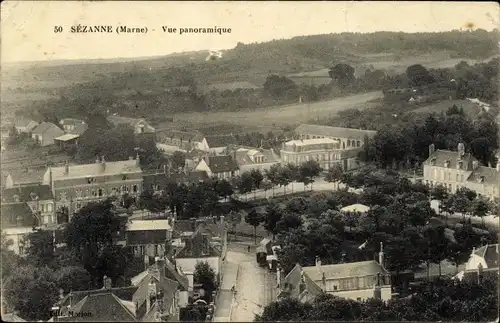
x=479 y=273
x=66 y=169
x=97 y=160
x=61 y=293
x=165 y=169
x=279 y=272
x=323 y=281
x=377 y=292
x=106 y=282
x=160 y=263
x=318 y=263
x=137 y=160
x=498 y=165
x=381 y=255
x=475 y=164
x=103 y=164
x=432 y=149
x=302 y=285
x=130 y=158
x=461 y=150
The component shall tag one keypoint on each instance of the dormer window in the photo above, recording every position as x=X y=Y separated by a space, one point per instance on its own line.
x=433 y=161
x=460 y=164
x=33 y=196
x=447 y=163
x=124 y=177
x=90 y=180
x=480 y=179
x=16 y=198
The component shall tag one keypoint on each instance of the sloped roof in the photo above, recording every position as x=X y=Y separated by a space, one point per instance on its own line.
x=30 y=177
x=189 y=177
x=335 y=132
x=66 y=137
x=489 y=253
x=11 y=212
x=307 y=142
x=25 y=193
x=218 y=141
x=79 y=129
x=44 y=127
x=180 y=135
x=103 y=307
x=442 y=156
x=173 y=273
x=244 y=156
x=353 y=269
x=116 y=120
x=219 y=164
x=70 y=121
x=124 y=293
x=489 y=175
x=23 y=122
x=291 y=284
x=111 y=168
x=145 y=225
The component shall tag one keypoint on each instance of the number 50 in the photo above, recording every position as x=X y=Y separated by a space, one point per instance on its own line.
x=58 y=29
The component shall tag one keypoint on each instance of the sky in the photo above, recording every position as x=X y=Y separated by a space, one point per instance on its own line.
x=27 y=27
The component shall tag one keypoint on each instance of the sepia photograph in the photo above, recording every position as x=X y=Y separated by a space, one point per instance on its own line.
x=227 y=161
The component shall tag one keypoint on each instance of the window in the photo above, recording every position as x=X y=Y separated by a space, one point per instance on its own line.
x=335 y=287
x=49 y=207
x=94 y=193
x=358 y=299
x=134 y=188
x=99 y=192
x=90 y=180
x=358 y=143
x=45 y=220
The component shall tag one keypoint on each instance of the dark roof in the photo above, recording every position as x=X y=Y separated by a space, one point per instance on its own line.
x=486 y=175
x=334 y=132
x=180 y=135
x=12 y=212
x=219 y=164
x=353 y=269
x=199 y=241
x=220 y=141
x=290 y=286
x=489 y=253
x=172 y=273
x=79 y=129
x=30 y=177
x=189 y=177
x=439 y=157
x=102 y=307
x=24 y=193
x=43 y=127
x=125 y=293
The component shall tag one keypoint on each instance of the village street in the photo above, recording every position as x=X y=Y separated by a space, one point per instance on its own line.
x=255 y=286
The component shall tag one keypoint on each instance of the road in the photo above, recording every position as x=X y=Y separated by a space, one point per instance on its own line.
x=255 y=286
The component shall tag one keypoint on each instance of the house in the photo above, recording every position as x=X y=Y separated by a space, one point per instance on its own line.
x=25 y=177
x=157 y=180
x=199 y=241
x=67 y=140
x=38 y=198
x=73 y=186
x=222 y=167
x=357 y=281
x=258 y=159
x=149 y=237
x=181 y=140
x=18 y=222
x=45 y=133
x=25 y=125
x=140 y=125
x=460 y=169
x=73 y=126
x=482 y=261
x=297 y=284
x=325 y=151
x=348 y=138
x=218 y=144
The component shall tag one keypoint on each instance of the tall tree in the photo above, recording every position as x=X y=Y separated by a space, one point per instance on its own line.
x=273 y=215
x=343 y=74
x=41 y=248
x=308 y=171
x=334 y=175
x=419 y=75
x=254 y=218
x=205 y=275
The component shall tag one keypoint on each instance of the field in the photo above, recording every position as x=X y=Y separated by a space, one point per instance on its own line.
x=279 y=116
x=471 y=109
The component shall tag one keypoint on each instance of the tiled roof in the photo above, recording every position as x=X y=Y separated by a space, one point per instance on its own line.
x=180 y=135
x=116 y=120
x=490 y=254
x=11 y=212
x=220 y=141
x=190 y=177
x=103 y=307
x=125 y=293
x=488 y=175
x=70 y=121
x=291 y=284
x=353 y=269
x=306 y=142
x=30 y=177
x=246 y=156
x=335 y=132
x=145 y=225
x=66 y=137
x=94 y=169
x=24 y=193
x=43 y=127
x=79 y=129
x=23 y=122
x=441 y=156
x=219 y=164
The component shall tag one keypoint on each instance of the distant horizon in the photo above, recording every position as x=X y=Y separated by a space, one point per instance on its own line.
x=28 y=27
x=140 y=58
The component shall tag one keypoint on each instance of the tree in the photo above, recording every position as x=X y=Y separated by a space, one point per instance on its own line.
x=178 y=160
x=437 y=246
x=272 y=216
x=254 y=218
x=224 y=188
x=307 y=172
x=272 y=174
x=245 y=183
x=419 y=75
x=91 y=232
x=10 y=260
x=343 y=74
x=480 y=207
x=284 y=177
x=32 y=292
x=257 y=178
x=286 y=309
x=334 y=175
x=73 y=278
x=289 y=221
x=279 y=86
x=41 y=248
x=205 y=275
